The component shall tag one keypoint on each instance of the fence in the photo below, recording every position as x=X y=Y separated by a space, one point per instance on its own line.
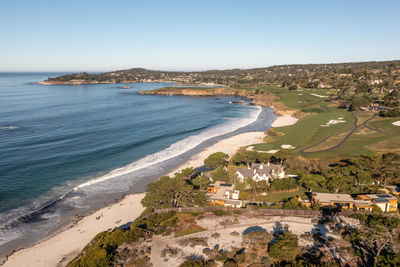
x=267 y=212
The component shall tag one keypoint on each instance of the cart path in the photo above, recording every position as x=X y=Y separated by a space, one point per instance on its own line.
x=355 y=128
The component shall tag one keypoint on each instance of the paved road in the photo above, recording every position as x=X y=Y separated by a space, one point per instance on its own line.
x=355 y=127
x=377 y=130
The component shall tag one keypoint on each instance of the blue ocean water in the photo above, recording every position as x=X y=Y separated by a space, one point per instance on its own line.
x=68 y=144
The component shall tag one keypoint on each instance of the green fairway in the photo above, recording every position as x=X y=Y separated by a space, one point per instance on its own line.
x=308 y=130
x=386 y=125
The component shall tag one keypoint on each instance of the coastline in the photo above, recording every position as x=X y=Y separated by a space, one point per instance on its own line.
x=68 y=241
x=80 y=82
x=64 y=245
x=228 y=145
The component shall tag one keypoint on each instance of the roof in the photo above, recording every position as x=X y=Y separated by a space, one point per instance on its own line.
x=221 y=184
x=261 y=169
x=246 y=172
x=328 y=197
x=363 y=202
x=233 y=201
x=381 y=200
x=385 y=196
x=220 y=194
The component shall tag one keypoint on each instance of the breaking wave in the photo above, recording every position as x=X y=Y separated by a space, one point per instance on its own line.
x=175 y=149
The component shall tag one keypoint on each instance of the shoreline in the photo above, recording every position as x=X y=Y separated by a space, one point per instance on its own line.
x=77 y=82
x=61 y=247
x=68 y=241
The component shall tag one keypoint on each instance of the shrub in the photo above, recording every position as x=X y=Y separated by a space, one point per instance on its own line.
x=284 y=184
x=220 y=212
x=285 y=247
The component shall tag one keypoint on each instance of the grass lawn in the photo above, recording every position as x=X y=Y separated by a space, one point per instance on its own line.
x=364 y=141
x=308 y=130
x=280 y=196
x=385 y=124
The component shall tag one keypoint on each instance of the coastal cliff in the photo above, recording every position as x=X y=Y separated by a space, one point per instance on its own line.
x=264 y=99
x=196 y=91
x=76 y=82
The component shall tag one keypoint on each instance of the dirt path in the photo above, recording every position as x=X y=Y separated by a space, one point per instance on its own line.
x=159 y=243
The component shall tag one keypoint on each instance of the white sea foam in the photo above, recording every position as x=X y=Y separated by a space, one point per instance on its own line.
x=175 y=149
x=11 y=127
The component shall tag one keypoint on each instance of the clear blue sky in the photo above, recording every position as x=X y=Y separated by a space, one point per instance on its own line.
x=193 y=35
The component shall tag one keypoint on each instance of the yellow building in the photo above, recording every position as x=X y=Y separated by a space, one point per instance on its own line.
x=224 y=195
x=386 y=202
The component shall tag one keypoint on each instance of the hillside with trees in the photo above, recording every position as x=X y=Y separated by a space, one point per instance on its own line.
x=359 y=76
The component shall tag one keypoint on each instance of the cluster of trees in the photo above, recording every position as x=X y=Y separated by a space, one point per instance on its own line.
x=391 y=100
x=101 y=251
x=361 y=76
x=390 y=113
x=182 y=190
x=354 y=175
x=359 y=101
x=248 y=157
x=374 y=241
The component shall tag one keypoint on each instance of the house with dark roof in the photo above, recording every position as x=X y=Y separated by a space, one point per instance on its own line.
x=262 y=172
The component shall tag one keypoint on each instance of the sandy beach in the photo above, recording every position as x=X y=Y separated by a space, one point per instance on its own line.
x=229 y=146
x=63 y=246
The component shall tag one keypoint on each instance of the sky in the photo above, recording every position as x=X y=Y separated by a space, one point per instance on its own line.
x=189 y=35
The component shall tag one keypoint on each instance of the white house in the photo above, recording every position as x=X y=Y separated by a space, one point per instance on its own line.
x=262 y=172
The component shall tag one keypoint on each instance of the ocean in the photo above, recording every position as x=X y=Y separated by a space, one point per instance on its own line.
x=66 y=150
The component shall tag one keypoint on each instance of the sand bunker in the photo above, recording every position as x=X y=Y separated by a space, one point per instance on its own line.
x=284 y=120
x=318 y=95
x=332 y=122
x=287 y=146
x=273 y=151
x=396 y=123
